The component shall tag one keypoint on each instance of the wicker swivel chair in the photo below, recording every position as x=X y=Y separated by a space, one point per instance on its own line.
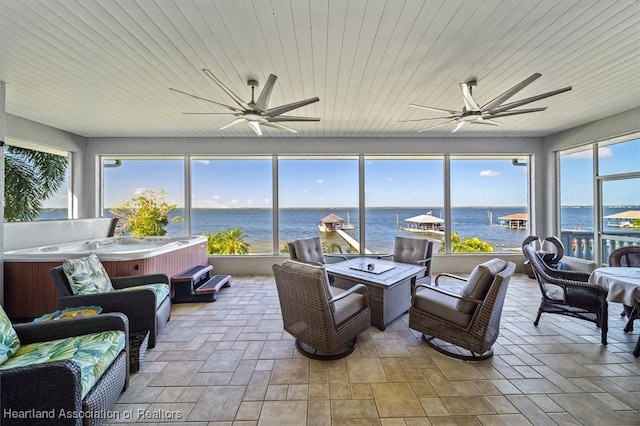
x=567 y=292
x=324 y=320
x=309 y=250
x=466 y=323
x=416 y=251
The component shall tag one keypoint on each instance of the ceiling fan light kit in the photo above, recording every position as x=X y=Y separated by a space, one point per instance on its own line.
x=485 y=114
x=255 y=113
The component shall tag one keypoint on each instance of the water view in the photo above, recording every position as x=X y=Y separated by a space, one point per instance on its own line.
x=382 y=224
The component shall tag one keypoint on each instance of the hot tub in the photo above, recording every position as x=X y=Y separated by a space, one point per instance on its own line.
x=30 y=291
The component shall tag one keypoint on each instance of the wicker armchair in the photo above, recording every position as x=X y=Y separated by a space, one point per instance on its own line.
x=324 y=320
x=138 y=305
x=567 y=292
x=309 y=250
x=416 y=251
x=50 y=387
x=466 y=323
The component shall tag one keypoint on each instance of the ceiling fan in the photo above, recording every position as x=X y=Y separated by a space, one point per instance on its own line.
x=255 y=113
x=485 y=114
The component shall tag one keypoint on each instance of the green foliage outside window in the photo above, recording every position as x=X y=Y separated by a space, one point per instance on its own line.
x=468 y=245
x=229 y=241
x=145 y=215
x=31 y=177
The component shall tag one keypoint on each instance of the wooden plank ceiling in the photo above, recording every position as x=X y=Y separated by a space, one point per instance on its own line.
x=103 y=68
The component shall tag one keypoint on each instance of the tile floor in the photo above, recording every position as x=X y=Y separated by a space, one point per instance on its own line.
x=230 y=362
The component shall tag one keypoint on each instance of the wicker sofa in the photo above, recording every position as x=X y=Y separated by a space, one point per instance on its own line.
x=57 y=392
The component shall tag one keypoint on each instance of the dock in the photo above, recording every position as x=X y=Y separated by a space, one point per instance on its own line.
x=349 y=240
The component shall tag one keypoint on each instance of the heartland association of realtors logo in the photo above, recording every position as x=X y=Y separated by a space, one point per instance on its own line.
x=53 y=414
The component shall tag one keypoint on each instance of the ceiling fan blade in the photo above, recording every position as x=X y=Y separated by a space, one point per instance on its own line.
x=207 y=100
x=424 y=119
x=280 y=118
x=509 y=93
x=233 y=123
x=278 y=126
x=450 y=111
x=516 y=112
x=263 y=100
x=458 y=126
x=272 y=112
x=208 y=113
x=228 y=91
x=255 y=127
x=469 y=102
x=529 y=100
x=437 y=125
x=487 y=121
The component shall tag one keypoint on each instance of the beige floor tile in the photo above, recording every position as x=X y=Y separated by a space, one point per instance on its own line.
x=396 y=400
x=230 y=363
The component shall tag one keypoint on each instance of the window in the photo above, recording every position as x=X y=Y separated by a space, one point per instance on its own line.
x=36 y=184
x=313 y=189
x=403 y=196
x=126 y=179
x=489 y=203
x=576 y=202
x=233 y=193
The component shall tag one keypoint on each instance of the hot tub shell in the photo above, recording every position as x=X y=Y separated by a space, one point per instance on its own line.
x=29 y=290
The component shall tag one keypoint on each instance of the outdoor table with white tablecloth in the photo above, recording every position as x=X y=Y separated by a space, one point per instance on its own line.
x=623 y=283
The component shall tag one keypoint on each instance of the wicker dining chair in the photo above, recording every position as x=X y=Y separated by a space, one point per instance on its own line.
x=628 y=256
x=567 y=292
x=625 y=256
x=463 y=324
x=324 y=320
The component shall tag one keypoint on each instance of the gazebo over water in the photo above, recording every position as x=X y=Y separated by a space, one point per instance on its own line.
x=515 y=221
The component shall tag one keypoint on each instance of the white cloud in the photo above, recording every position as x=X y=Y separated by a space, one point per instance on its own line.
x=390 y=179
x=488 y=173
x=205 y=162
x=587 y=154
x=320 y=181
x=216 y=197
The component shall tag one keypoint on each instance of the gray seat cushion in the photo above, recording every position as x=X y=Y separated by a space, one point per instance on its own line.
x=442 y=306
x=479 y=282
x=410 y=250
x=309 y=250
x=347 y=306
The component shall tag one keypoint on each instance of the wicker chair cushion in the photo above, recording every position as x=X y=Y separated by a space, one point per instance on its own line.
x=347 y=306
x=87 y=275
x=94 y=354
x=309 y=250
x=442 y=306
x=479 y=282
x=409 y=250
x=161 y=291
x=9 y=341
x=554 y=292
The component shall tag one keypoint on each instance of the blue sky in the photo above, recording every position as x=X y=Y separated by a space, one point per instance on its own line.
x=334 y=183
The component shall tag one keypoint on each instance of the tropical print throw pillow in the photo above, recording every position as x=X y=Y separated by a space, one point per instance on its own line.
x=87 y=275
x=9 y=342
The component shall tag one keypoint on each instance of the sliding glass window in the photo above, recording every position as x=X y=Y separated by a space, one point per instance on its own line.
x=319 y=196
x=576 y=202
x=489 y=203
x=619 y=192
x=403 y=196
x=141 y=191
x=231 y=203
